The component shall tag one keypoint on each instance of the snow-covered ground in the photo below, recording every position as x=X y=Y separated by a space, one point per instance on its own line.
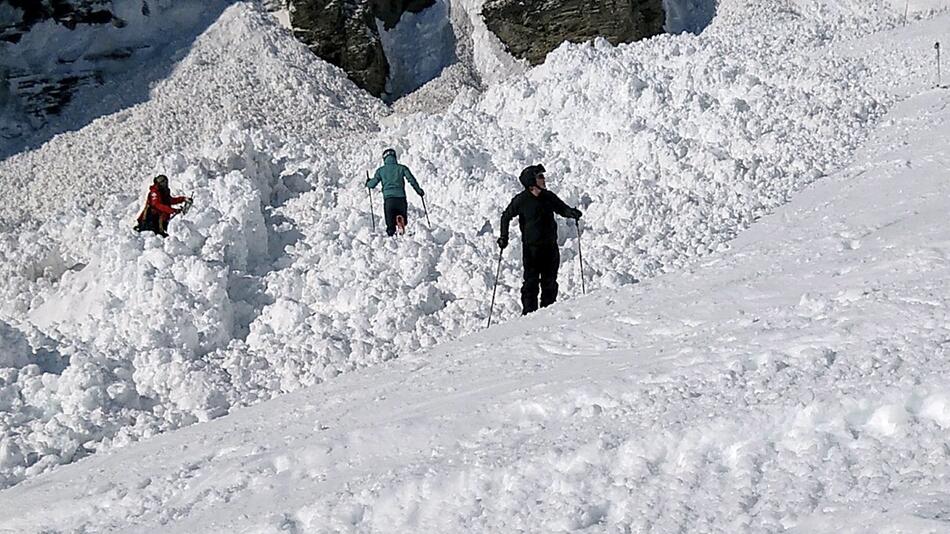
x=794 y=382
x=791 y=377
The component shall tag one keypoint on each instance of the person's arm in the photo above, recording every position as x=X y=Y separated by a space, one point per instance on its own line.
x=563 y=209
x=412 y=181
x=178 y=200
x=371 y=183
x=510 y=212
x=155 y=201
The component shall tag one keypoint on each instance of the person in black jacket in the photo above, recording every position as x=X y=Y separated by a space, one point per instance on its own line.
x=535 y=208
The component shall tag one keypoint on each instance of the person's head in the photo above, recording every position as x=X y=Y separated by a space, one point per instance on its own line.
x=532 y=178
x=161 y=181
x=389 y=153
x=539 y=181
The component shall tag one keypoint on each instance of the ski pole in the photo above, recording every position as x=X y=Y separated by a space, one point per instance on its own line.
x=494 y=287
x=937 y=48
x=372 y=213
x=580 y=255
x=425 y=209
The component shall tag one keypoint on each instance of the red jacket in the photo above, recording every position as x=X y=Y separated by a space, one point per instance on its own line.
x=158 y=210
x=162 y=201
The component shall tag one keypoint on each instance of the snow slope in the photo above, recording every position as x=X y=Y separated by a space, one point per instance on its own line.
x=243 y=69
x=116 y=61
x=795 y=382
x=275 y=281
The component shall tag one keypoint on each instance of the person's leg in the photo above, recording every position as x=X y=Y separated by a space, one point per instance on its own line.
x=550 y=260
x=402 y=211
x=529 y=289
x=149 y=222
x=389 y=212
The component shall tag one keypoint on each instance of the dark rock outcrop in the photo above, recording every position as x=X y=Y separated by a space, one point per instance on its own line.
x=532 y=29
x=344 y=33
x=46 y=95
x=68 y=13
x=390 y=11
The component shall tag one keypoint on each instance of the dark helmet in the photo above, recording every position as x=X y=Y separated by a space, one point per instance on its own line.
x=529 y=176
x=389 y=152
x=161 y=180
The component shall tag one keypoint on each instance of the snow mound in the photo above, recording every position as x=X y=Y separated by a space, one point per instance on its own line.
x=275 y=280
x=794 y=383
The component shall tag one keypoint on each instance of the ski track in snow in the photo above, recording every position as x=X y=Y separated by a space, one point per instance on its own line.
x=274 y=281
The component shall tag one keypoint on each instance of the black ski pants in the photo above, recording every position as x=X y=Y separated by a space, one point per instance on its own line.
x=392 y=207
x=540 y=269
x=152 y=220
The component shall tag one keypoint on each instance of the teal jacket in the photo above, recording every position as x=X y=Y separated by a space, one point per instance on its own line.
x=394 y=176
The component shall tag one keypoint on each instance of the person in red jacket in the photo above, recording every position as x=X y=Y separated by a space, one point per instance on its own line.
x=158 y=207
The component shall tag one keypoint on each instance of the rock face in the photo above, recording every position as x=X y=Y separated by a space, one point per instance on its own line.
x=344 y=33
x=532 y=29
x=390 y=11
x=18 y=16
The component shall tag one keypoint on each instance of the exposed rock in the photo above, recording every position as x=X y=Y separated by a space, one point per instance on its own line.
x=20 y=15
x=344 y=33
x=532 y=29
x=46 y=95
x=390 y=11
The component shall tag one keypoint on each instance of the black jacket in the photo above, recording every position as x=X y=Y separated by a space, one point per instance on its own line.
x=535 y=217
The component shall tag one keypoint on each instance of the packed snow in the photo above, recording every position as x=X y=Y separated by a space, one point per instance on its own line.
x=792 y=377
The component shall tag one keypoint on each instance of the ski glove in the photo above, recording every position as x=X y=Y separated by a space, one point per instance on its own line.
x=503 y=242
x=576 y=213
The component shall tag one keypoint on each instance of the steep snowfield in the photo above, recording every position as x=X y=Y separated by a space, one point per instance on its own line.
x=795 y=382
x=275 y=280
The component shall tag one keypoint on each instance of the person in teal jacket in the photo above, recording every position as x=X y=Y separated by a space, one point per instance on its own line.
x=394 y=176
